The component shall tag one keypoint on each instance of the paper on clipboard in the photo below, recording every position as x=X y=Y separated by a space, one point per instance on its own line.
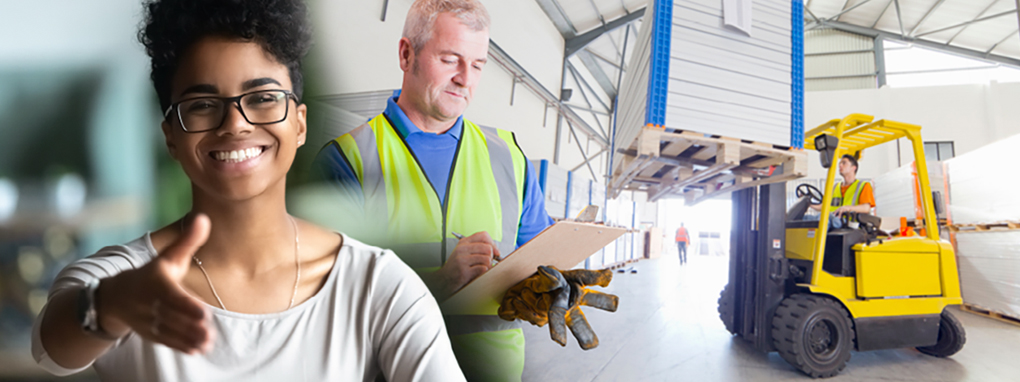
x=563 y=245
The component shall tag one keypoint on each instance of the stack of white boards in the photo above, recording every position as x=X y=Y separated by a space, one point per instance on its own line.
x=989 y=263
x=982 y=194
x=690 y=71
x=728 y=69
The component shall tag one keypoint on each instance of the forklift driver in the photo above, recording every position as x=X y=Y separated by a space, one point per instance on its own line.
x=853 y=195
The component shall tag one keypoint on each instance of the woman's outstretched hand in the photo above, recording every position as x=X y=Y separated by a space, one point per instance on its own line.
x=152 y=302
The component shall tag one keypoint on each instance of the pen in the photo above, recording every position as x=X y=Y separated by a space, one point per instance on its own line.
x=495 y=260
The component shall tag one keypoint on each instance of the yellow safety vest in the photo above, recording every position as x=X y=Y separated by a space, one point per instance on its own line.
x=842 y=201
x=485 y=193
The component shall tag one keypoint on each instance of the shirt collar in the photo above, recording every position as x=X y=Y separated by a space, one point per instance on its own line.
x=405 y=127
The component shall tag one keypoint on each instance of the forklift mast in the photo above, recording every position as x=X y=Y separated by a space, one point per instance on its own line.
x=758 y=264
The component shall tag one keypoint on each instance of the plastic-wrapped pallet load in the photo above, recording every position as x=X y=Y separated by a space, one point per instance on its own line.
x=894 y=194
x=711 y=103
x=553 y=180
x=579 y=194
x=691 y=72
x=980 y=192
x=989 y=264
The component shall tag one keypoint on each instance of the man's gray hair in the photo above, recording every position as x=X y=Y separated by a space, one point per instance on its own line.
x=422 y=18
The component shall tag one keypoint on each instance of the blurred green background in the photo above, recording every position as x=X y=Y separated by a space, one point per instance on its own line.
x=82 y=160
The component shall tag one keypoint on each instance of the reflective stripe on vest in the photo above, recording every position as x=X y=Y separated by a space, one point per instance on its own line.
x=855 y=189
x=484 y=193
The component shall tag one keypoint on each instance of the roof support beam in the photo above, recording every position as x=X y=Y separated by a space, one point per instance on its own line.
x=603 y=58
x=588 y=60
x=899 y=17
x=963 y=24
x=531 y=83
x=989 y=51
x=842 y=10
x=926 y=14
x=575 y=44
x=969 y=53
x=983 y=11
x=884 y=10
x=845 y=10
x=597 y=12
x=558 y=17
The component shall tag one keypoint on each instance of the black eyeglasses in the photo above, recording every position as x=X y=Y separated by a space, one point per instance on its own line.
x=263 y=107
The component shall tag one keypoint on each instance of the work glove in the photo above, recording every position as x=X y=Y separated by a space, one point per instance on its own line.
x=556 y=297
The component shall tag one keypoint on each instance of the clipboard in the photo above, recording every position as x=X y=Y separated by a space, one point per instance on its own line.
x=563 y=245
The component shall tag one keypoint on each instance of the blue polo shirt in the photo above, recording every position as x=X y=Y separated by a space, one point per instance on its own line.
x=435 y=154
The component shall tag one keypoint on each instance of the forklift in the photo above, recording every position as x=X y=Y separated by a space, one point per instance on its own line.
x=815 y=290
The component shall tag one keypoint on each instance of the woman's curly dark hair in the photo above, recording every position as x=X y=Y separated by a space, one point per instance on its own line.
x=280 y=27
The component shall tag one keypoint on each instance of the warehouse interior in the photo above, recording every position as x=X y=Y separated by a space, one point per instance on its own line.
x=745 y=88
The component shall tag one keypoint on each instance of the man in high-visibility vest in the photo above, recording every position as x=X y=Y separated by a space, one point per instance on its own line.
x=852 y=195
x=682 y=239
x=419 y=175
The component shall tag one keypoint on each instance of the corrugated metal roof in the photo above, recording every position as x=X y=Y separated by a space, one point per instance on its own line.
x=984 y=27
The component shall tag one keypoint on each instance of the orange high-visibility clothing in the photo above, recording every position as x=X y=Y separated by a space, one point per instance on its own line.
x=681 y=235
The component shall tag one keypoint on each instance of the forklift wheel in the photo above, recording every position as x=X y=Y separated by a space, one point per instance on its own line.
x=726 y=309
x=813 y=333
x=951 y=337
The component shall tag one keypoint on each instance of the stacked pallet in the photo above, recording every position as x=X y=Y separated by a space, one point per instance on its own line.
x=708 y=106
x=986 y=226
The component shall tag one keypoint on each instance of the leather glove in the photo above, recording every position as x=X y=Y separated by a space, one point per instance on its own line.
x=531 y=298
x=556 y=297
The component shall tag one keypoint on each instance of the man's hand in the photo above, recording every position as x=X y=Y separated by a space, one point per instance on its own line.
x=470 y=258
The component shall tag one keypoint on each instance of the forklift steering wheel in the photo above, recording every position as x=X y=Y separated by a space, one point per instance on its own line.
x=807 y=189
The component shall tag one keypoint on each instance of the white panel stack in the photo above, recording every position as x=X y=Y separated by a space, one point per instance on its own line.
x=631 y=114
x=580 y=193
x=723 y=82
x=717 y=99
x=989 y=265
x=980 y=191
x=555 y=188
x=894 y=194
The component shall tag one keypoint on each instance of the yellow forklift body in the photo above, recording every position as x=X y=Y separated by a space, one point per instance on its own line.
x=897 y=274
x=800 y=243
x=896 y=277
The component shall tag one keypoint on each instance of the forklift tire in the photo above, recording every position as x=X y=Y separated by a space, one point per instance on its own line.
x=813 y=333
x=951 y=337
x=726 y=309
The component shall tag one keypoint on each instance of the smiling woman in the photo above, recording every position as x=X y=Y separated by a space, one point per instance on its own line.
x=238 y=287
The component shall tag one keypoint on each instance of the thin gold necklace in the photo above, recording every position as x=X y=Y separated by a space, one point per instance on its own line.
x=297 y=262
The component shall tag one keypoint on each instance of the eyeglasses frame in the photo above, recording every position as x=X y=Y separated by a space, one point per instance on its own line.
x=236 y=101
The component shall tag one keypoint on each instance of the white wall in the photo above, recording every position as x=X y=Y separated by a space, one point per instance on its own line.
x=971 y=116
x=359 y=53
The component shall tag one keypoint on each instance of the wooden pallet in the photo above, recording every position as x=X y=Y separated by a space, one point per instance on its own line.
x=990 y=314
x=1000 y=226
x=621 y=264
x=669 y=163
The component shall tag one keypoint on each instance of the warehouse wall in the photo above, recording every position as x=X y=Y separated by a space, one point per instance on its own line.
x=971 y=116
x=361 y=52
x=837 y=60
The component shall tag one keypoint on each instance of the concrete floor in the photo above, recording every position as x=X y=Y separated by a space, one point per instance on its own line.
x=667 y=329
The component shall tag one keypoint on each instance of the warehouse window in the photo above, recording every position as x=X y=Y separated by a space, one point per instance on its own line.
x=938 y=151
x=909 y=65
